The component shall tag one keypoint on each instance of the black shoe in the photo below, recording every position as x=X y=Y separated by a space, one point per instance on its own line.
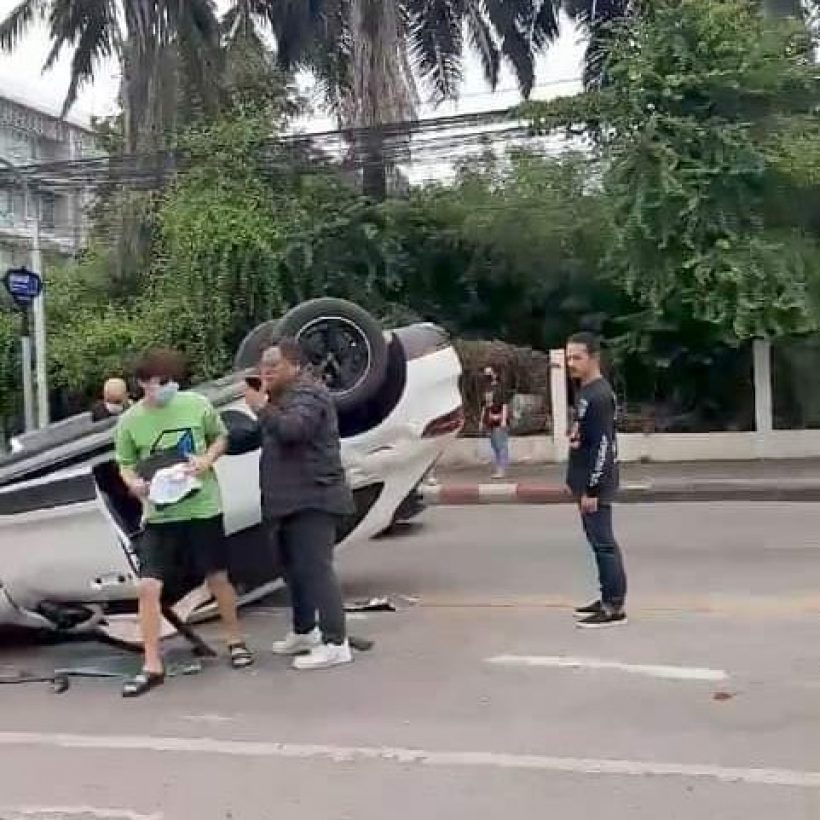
x=589 y=609
x=603 y=619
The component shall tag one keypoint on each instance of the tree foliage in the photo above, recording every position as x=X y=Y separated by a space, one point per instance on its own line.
x=701 y=134
x=168 y=53
x=605 y=21
x=701 y=95
x=512 y=250
x=687 y=222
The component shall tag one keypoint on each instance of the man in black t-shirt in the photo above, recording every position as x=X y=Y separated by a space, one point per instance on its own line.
x=592 y=477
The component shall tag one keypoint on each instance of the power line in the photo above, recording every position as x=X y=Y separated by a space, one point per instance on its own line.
x=437 y=139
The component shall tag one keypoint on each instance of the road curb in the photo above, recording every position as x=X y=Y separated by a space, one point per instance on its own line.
x=453 y=494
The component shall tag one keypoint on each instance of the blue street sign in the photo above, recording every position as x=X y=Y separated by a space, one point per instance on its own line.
x=23 y=285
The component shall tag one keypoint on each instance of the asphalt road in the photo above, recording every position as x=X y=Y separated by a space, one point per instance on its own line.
x=480 y=698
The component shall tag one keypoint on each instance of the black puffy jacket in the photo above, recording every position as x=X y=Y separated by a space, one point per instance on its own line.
x=301 y=464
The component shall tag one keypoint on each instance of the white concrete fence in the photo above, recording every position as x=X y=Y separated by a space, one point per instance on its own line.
x=763 y=442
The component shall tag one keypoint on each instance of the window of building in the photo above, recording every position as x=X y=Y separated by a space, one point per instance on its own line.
x=48 y=209
x=6 y=207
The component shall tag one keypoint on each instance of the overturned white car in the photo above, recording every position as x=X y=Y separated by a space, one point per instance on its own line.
x=69 y=532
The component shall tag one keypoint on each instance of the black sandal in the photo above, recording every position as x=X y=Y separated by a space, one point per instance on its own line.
x=142 y=683
x=241 y=656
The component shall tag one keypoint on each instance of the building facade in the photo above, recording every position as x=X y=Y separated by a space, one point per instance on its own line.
x=29 y=136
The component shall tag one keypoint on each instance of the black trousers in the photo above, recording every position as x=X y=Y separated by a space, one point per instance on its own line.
x=305 y=542
x=608 y=557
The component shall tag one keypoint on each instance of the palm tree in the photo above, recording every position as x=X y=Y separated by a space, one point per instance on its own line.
x=168 y=51
x=252 y=80
x=367 y=54
x=158 y=43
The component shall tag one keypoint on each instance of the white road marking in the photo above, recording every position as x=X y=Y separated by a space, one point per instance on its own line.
x=497 y=490
x=266 y=611
x=209 y=718
x=66 y=813
x=420 y=757
x=650 y=670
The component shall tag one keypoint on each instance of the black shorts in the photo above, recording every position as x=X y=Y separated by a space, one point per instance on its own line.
x=180 y=550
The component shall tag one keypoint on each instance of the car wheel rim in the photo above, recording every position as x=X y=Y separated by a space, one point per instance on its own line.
x=339 y=352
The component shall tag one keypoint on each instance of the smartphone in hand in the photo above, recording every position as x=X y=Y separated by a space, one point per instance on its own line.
x=254 y=382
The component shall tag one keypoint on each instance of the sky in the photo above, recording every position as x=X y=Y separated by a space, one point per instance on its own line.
x=21 y=78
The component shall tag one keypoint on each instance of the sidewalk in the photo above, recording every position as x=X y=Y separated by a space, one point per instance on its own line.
x=793 y=480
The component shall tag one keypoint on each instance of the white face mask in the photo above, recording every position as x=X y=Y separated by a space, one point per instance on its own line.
x=165 y=392
x=114 y=408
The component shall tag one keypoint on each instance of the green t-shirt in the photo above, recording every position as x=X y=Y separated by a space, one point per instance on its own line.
x=188 y=424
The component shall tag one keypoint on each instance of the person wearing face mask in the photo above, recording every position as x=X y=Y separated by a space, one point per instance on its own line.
x=114 y=402
x=169 y=426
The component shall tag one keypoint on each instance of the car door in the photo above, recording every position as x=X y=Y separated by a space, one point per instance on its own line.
x=238 y=470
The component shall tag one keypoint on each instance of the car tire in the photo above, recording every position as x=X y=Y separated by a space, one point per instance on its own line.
x=354 y=371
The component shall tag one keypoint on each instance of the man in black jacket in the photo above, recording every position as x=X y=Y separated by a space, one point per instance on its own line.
x=304 y=493
x=593 y=478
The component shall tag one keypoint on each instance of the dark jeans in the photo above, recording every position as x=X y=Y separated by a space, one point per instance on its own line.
x=305 y=542
x=611 y=574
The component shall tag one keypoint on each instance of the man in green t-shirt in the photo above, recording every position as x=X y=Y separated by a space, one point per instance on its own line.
x=169 y=427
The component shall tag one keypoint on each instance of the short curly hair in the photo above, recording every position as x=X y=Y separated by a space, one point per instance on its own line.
x=160 y=363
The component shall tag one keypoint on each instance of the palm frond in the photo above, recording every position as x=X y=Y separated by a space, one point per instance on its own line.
x=320 y=35
x=93 y=44
x=482 y=40
x=243 y=16
x=194 y=26
x=545 y=24
x=436 y=45
x=141 y=25
x=196 y=38
x=603 y=20
x=588 y=12
x=87 y=29
x=299 y=25
x=17 y=21
x=326 y=50
x=195 y=17
x=511 y=24
x=66 y=22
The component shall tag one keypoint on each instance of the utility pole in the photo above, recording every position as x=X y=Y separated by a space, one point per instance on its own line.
x=32 y=211
x=28 y=387
x=39 y=315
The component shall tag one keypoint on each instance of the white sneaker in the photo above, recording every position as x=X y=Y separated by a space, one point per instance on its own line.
x=294 y=644
x=324 y=656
